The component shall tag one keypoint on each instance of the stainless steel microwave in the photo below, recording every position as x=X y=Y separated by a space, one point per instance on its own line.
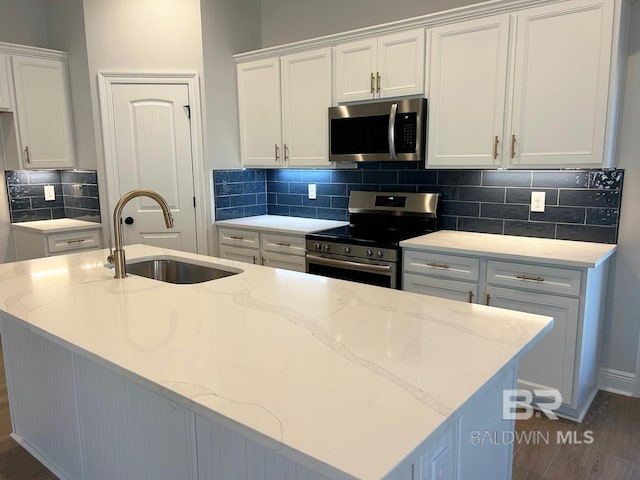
x=381 y=131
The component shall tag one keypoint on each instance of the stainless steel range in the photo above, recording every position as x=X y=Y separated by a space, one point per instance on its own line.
x=368 y=250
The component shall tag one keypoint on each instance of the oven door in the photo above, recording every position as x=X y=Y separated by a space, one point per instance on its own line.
x=383 y=274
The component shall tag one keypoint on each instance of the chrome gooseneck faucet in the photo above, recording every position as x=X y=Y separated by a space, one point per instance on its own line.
x=117 y=257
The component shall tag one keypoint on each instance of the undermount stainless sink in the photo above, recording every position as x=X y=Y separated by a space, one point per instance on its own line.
x=177 y=271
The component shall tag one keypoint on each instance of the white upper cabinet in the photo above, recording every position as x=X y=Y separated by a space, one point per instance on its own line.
x=283 y=104
x=468 y=92
x=545 y=105
x=561 y=85
x=43 y=113
x=387 y=66
x=5 y=79
x=306 y=96
x=260 y=112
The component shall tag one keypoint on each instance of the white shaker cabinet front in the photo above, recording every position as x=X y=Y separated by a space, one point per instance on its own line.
x=5 y=82
x=283 y=104
x=381 y=67
x=468 y=92
x=260 y=112
x=567 y=358
x=43 y=113
x=529 y=89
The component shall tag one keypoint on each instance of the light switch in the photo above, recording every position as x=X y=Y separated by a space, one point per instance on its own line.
x=312 y=191
x=49 y=193
x=537 y=201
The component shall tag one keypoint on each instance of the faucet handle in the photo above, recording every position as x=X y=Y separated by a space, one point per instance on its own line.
x=110 y=257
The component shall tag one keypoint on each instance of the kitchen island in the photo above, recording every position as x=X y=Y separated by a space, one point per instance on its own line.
x=264 y=374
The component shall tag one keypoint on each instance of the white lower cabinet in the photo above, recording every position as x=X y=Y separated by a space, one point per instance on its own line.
x=567 y=358
x=36 y=244
x=263 y=248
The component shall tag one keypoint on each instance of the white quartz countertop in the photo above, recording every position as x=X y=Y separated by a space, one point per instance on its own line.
x=353 y=375
x=56 y=225
x=508 y=247
x=281 y=223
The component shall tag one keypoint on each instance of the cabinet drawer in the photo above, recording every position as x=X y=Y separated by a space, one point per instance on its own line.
x=436 y=264
x=538 y=278
x=65 y=242
x=239 y=238
x=287 y=244
x=440 y=287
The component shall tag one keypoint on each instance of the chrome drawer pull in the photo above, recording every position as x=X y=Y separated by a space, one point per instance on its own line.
x=529 y=277
x=232 y=237
x=438 y=265
x=283 y=244
x=80 y=240
x=470 y=296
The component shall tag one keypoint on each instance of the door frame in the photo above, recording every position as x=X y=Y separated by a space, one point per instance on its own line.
x=106 y=81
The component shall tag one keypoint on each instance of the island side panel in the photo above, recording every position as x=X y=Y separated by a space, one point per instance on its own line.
x=129 y=431
x=42 y=399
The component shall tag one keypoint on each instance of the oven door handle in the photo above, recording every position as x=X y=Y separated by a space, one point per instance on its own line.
x=365 y=267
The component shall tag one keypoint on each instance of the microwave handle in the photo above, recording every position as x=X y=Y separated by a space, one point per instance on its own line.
x=392 y=131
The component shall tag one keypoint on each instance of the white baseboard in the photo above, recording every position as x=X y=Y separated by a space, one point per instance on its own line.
x=617 y=381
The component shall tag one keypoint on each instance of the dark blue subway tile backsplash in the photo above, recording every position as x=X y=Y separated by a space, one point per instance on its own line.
x=581 y=204
x=76 y=195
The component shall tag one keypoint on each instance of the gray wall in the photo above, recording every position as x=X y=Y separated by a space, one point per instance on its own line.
x=622 y=325
x=285 y=21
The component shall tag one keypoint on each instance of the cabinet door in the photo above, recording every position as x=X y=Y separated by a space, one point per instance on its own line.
x=306 y=88
x=244 y=255
x=440 y=287
x=550 y=363
x=561 y=84
x=286 y=262
x=401 y=59
x=356 y=67
x=43 y=112
x=260 y=112
x=5 y=91
x=468 y=92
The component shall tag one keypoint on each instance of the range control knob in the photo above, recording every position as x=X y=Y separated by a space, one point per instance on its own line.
x=369 y=252
x=379 y=254
x=325 y=247
x=317 y=246
x=347 y=249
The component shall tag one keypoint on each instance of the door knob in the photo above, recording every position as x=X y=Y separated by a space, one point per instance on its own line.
x=128 y=220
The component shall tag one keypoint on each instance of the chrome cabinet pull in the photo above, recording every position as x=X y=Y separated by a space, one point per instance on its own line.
x=513 y=146
x=79 y=240
x=470 y=296
x=496 y=141
x=286 y=153
x=277 y=153
x=378 y=82
x=26 y=154
x=373 y=83
x=262 y=261
x=529 y=277
x=437 y=265
x=283 y=244
x=488 y=299
x=255 y=259
x=233 y=237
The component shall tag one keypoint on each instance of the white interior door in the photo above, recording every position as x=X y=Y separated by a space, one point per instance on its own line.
x=151 y=149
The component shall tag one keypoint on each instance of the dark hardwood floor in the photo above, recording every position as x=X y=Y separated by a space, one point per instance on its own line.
x=613 y=425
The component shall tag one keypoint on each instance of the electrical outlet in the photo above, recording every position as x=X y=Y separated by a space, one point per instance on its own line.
x=537 y=201
x=49 y=193
x=312 y=191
